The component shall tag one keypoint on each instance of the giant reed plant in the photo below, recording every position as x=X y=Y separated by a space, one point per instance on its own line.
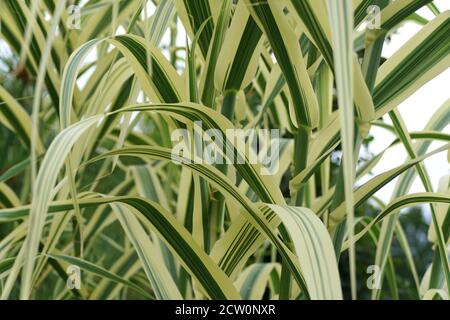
x=90 y=182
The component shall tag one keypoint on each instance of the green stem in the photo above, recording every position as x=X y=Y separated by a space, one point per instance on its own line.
x=228 y=106
x=301 y=146
x=339 y=196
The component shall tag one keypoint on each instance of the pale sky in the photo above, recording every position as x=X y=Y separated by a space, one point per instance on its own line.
x=416 y=111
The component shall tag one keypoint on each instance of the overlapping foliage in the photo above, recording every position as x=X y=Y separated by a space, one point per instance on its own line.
x=89 y=180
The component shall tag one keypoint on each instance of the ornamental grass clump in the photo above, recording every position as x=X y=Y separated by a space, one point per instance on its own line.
x=205 y=149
